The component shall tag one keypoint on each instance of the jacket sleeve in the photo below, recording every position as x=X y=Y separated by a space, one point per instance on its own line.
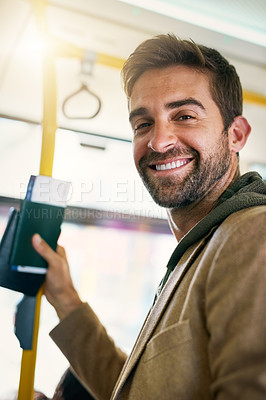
x=235 y=309
x=91 y=353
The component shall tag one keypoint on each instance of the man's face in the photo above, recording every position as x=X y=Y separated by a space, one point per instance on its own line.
x=180 y=149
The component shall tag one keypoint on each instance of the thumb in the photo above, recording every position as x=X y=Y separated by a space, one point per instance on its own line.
x=43 y=248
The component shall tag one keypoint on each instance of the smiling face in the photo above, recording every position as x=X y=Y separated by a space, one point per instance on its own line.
x=180 y=148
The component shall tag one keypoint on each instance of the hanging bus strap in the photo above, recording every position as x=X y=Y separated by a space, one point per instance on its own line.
x=87 y=65
x=83 y=88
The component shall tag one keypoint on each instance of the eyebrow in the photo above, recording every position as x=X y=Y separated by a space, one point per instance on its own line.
x=138 y=112
x=183 y=102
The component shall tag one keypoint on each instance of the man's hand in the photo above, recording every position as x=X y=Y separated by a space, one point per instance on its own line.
x=58 y=289
x=40 y=396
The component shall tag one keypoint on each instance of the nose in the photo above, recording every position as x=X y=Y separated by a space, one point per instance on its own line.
x=162 y=138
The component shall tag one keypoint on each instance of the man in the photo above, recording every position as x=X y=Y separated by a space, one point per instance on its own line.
x=204 y=337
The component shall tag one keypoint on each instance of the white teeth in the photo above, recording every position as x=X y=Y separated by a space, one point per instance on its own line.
x=172 y=165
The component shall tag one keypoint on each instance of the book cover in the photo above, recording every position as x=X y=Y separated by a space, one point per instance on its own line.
x=21 y=267
x=28 y=284
x=35 y=218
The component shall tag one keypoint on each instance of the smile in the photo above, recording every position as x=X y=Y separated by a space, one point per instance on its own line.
x=170 y=165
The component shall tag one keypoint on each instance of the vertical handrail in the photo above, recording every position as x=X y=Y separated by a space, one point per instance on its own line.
x=28 y=360
x=51 y=50
x=49 y=126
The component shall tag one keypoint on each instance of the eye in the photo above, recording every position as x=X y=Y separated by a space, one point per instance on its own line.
x=141 y=128
x=184 y=117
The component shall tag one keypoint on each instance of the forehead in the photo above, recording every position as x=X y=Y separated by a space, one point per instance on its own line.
x=170 y=83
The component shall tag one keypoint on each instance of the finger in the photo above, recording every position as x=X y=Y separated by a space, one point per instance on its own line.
x=43 y=248
x=61 y=251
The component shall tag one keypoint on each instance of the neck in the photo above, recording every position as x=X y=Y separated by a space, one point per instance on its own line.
x=182 y=220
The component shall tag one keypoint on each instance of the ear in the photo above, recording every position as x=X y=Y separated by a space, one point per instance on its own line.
x=238 y=133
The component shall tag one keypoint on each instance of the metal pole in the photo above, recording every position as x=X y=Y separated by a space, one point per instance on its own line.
x=49 y=126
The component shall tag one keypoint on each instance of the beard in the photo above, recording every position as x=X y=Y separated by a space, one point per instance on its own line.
x=177 y=192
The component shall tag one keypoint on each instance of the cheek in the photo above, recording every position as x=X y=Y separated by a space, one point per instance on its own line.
x=138 y=151
x=207 y=143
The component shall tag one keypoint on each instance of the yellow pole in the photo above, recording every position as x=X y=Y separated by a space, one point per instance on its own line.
x=255 y=98
x=64 y=49
x=110 y=61
x=28 y=361
x=49 y=126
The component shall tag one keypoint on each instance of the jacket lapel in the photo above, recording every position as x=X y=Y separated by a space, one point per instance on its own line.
x=155 y=314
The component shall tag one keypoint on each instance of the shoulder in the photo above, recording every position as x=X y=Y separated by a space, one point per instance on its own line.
x=250 y=221
x=240 y=231
x=239 y=244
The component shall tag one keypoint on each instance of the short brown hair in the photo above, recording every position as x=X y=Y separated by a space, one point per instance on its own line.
x=166 y=50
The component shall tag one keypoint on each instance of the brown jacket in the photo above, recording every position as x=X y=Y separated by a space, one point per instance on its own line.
x=205 y=336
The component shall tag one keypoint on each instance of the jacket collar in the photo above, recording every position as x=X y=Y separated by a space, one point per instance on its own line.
x=155 y=313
